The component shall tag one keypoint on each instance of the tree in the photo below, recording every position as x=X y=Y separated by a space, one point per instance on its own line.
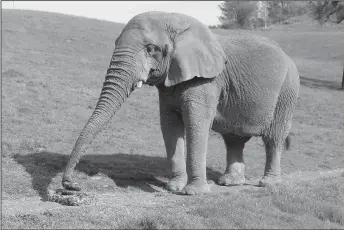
x=280 y=11
x=324 y=11
x=275 y=11
x=343 y=79
x=237 y=12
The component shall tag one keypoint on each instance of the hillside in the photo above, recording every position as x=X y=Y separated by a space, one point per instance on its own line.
x=53 y=67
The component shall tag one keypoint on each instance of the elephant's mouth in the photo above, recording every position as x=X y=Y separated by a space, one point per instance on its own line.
x=155 y=80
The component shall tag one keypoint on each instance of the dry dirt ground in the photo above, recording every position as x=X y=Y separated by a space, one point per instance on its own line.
x=53 y=67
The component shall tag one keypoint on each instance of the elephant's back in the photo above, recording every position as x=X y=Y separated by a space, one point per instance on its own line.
x=247 y=41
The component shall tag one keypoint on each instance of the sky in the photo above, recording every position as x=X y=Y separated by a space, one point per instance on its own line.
x=122 y=11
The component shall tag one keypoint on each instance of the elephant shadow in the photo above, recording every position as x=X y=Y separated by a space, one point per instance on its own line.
x=125 y=170
x=319 y=84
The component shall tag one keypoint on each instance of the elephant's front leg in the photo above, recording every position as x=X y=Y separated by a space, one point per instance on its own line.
x=172 y=128
x=197 y=120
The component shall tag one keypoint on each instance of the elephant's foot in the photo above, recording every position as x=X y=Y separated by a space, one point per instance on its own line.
x=69 y=185
x=230 y=179
x=195 y=188
x=235 y=175
x=270 y=180
x=176 y=184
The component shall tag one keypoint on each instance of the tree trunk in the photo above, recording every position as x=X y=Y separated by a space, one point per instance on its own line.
x=343 y=79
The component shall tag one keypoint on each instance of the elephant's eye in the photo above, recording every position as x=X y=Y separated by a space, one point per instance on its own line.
x=153 y=49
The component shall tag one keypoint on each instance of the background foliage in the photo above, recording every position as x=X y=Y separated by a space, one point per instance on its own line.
x=255 y=14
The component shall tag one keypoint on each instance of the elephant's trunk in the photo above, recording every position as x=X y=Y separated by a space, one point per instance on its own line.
x=117 y=87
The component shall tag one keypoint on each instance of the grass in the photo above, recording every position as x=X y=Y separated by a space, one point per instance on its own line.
x=52 y=72
x=297 y=205
x=311 y=204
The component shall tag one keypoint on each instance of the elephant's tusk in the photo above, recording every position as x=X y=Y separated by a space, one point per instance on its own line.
x=139 y=84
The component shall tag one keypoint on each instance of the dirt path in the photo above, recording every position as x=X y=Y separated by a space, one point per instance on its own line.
x=137 y=198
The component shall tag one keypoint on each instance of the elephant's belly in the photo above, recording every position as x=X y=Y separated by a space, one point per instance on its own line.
x=239 y=124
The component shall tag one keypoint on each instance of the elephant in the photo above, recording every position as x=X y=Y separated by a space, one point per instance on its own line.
x=239 y=86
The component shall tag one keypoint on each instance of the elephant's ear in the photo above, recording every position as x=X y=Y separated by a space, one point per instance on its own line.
x=197 y=53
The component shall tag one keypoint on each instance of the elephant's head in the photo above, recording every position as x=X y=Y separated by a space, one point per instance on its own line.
x=153 y=48
x=170 y=48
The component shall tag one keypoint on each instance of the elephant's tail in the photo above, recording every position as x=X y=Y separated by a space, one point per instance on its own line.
x=287 y=143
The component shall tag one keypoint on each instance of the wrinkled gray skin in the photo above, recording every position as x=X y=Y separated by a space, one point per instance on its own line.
x=239 y=86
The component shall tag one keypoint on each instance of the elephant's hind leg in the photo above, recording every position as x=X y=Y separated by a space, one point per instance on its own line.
x=272 y=172
x=172 y=128
x=235 y=171
x=275 y=137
